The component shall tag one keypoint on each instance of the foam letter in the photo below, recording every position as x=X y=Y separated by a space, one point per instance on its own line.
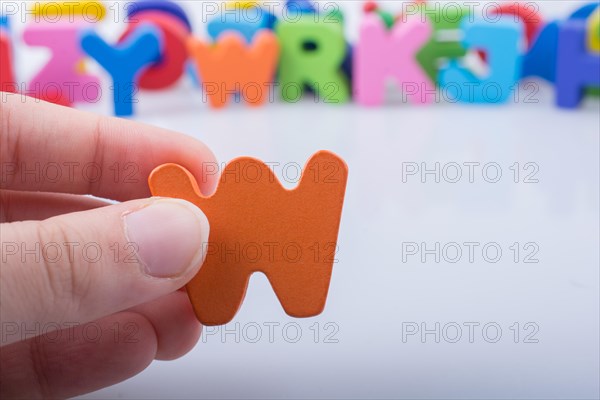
x=235 y=67
x=171 y=66
x=4 y=22
x=7 y=77
x=527 y=13
x=594 y=31
x=444 y=43
x=125 y=61
x=593 y=43
x=576 y=68
x=584 y=11
x=247 y=21
x=287 y=226
x=90 y=10
x=62 y=69
x=161 y=6
x=300 y=6
x=380 y=54
x=500 y=40
x=540 y=60
x=312 y=54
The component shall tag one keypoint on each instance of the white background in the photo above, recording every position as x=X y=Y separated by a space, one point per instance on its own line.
x=374 y=292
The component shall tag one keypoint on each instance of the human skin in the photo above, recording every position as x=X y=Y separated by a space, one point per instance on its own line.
x=71 y=323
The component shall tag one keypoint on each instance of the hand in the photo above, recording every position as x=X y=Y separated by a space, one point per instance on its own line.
x=89 y=288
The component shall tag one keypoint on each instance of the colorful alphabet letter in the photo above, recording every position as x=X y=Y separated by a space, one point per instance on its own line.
x=246 y=21
x=231 y=66
x=62 y=71
x=594 y=31
x=380 y=54
x=52 y=11
x=7 y=77
x=4 y=22
x=276 y=230
x=162 y=7
x=576 y=67
x=125 y=61
x=312 y=54
x=501 y=43
x=527 y=13
x=444 y=43
x=540 y=60
x=171 y=66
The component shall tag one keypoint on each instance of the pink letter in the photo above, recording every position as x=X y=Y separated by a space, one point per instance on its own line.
x=380 y=54
x=61 y=72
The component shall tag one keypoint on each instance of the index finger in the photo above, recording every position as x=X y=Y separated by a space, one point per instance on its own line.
x=45 y=147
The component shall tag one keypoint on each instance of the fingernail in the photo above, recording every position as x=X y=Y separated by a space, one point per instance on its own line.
x=169 y=235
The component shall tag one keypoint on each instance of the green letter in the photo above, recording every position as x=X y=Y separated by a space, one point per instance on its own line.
x=312 y=53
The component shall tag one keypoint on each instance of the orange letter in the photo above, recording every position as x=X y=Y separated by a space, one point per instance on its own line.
x=232 y=66
x=256 y=225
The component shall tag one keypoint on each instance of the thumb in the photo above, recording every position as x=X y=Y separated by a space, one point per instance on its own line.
x=79 y=267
